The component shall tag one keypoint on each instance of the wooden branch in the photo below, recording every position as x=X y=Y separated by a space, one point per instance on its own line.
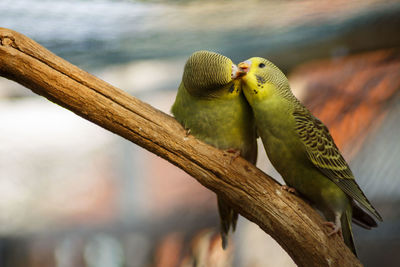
x=288 y=219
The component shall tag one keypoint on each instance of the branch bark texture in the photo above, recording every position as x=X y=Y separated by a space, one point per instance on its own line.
x=288 y=219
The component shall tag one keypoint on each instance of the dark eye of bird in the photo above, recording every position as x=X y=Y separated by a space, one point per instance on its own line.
x=261 y=65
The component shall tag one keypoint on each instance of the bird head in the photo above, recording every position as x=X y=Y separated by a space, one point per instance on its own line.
x=261 y=79
x=205 y=72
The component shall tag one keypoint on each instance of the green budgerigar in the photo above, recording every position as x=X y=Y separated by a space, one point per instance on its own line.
x=302 y=150
x=212 y=107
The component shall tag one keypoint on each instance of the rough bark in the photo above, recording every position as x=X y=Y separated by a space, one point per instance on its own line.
x=288 y=219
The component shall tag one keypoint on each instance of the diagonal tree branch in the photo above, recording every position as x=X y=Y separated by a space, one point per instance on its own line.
x=288 y=219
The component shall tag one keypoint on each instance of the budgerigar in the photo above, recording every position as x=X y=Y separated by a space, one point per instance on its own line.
x=212 y=107
x=302 y=150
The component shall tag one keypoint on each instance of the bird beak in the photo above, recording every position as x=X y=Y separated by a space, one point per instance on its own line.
x=243 y=68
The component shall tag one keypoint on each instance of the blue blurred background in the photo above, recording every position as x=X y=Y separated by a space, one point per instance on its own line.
x=73 y=194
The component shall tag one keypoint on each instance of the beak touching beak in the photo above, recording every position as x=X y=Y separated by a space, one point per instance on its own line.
x=243 y=68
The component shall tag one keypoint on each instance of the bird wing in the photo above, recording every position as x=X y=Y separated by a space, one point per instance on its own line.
x=325 y=155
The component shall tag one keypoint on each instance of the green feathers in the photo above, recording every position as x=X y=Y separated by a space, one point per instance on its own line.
x=301 y=148
x=206 y=72
x=211 y=105
x=325 y=155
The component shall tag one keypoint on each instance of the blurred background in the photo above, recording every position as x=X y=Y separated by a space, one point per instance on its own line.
x=74 y=194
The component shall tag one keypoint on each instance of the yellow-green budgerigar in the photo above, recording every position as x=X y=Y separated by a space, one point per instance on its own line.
x=211 y=106
x=302 y=150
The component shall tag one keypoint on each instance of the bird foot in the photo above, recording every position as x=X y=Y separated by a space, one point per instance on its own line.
x=337 y=228
x=235 y=152
x=289 y=189
x=187 y=132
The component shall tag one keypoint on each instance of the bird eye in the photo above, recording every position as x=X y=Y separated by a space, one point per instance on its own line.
x=261 y=65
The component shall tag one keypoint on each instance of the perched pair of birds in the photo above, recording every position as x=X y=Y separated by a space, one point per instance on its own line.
x=228 y=106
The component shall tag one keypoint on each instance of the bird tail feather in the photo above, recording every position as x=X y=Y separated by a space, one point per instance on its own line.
x=347 y=230
x=228 y=219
